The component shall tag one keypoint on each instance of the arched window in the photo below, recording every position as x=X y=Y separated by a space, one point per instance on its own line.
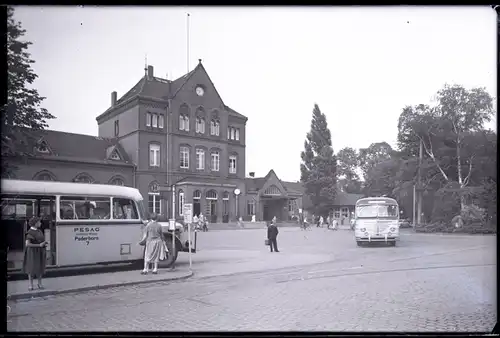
x=197 y=195
x=200 y=125
x=117 y=181
x=83 y=178
x=154 y=201
x=181 y=202
x=225 y=206
x=214 y=127
x=44 y=176
x=211 y=195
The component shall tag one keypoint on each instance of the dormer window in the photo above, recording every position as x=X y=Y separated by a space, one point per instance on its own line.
x=115 y=156
x=42 y=147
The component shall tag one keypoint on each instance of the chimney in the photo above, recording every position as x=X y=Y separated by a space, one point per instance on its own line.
x=150 y=72
x=252 y=174
x=113 y=98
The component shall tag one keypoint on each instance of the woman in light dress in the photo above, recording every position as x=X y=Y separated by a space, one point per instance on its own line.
x=155 y=248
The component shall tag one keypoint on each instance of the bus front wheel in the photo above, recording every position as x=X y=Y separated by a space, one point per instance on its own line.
x=359 y=243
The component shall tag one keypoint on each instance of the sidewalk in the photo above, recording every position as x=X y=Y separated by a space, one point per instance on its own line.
x=59 y=285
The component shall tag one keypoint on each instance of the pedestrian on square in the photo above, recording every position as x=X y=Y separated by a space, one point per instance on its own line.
x=272 y=234
x=328 y=222
x=335 y=224
x=35 y=256
x=155 y=248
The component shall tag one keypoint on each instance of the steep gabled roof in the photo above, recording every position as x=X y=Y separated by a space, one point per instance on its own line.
x=65 y=145
x=164 y=89
x=293 y=187
x=235 y=113
x=347 y=199
x=135 y=90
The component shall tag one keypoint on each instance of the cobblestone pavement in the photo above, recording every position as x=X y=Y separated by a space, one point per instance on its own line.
x=424 y=284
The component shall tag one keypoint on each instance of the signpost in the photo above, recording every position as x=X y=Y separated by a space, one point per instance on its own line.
x=187 y=210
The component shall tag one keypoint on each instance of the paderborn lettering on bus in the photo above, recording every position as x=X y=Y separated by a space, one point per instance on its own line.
x=86 y=234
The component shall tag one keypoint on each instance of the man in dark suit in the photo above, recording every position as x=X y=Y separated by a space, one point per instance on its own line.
x=272 y=234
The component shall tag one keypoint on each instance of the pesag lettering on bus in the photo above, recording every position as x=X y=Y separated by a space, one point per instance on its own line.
x=96 y=229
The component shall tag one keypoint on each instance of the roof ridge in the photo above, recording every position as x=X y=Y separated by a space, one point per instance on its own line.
x=188 y=76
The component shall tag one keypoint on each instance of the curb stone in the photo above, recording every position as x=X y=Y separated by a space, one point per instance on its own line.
x=45 y=293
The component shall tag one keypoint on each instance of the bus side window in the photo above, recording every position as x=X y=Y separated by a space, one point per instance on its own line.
x=124 y=209
x=85 y=207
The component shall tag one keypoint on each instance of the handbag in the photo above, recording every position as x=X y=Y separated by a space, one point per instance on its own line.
x=143 y=241
x=164 y=253
x=266 y=242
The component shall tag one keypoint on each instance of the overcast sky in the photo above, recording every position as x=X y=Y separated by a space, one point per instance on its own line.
x=362 y=65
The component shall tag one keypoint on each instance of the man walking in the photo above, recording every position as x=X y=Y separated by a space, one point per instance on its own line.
x=272 y=234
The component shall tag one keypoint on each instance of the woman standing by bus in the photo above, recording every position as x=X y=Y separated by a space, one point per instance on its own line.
x=155 y=249
x=35 y=254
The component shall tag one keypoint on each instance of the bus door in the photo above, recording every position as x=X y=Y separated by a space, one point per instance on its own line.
x=47 y=213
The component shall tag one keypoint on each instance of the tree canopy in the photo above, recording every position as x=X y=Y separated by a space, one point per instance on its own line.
x=318 y=168
x=22 y=113
x=458 y=169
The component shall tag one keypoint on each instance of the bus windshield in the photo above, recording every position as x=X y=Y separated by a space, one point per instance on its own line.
x=376 y=210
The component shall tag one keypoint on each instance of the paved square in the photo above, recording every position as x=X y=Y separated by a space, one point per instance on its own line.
x=319 y=281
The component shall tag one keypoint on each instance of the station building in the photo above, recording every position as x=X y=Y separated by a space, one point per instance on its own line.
x=164 y=133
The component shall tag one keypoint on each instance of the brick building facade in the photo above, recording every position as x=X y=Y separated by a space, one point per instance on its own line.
x=163 y=133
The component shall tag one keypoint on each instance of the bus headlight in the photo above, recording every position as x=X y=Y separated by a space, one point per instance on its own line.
x=366 y=234
x=363 y=229
x=393 y=229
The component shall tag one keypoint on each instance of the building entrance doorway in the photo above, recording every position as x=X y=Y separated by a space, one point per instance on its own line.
x=196 y=203
x=273 y=208
x=211 y=198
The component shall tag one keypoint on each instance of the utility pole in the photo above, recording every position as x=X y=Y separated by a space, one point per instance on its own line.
x=419 y=182
x=187 y=42
x=414 y=202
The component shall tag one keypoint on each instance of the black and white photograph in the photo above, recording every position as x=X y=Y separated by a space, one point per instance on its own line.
x=231 y=168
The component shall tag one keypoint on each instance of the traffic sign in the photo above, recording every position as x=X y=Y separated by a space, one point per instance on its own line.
x=188 y=213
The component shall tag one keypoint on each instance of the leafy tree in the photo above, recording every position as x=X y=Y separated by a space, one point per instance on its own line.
x=347 y=164
x=374 y=154
x=22 y=114
x=446 y=129
x=318 y=170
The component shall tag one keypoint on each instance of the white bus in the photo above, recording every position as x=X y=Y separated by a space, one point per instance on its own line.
x=377 y=220
x=84 y=224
